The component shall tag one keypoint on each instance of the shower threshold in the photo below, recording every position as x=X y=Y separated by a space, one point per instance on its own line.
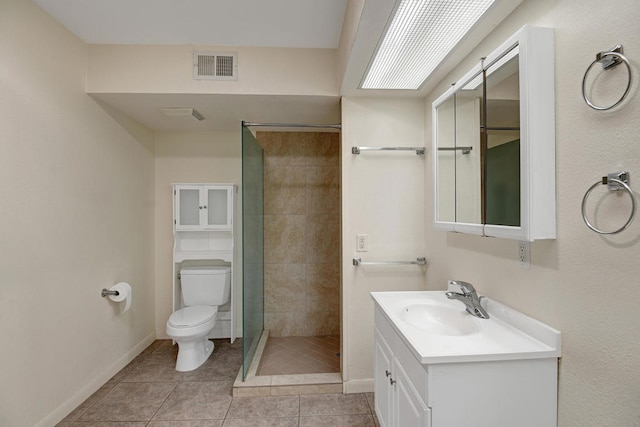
x=283 y=385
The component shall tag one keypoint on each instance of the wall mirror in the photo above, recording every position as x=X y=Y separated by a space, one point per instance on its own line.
x=494 y=143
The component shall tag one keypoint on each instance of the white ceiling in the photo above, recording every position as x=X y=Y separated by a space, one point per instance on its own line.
x=257 y=23
x=223 y=112
x=251 y=23
x=254 y=23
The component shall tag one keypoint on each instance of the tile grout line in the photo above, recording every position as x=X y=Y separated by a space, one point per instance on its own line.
x=165 y=399
x=77 y=418
x=228 y=408
x=142 y=357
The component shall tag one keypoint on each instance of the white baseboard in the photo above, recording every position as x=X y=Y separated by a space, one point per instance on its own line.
x=358 y=386
x=83 y=394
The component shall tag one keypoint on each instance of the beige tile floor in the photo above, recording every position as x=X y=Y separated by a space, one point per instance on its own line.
x=150 y=392
x=300 y=355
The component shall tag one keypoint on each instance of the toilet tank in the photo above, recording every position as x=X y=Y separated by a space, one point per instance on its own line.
x=205 y=285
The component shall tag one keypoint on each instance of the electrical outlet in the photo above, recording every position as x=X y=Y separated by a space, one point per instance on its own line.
x=362 y=243
x=524 y=254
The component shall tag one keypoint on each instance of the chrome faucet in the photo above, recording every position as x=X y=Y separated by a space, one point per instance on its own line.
x=469 y=297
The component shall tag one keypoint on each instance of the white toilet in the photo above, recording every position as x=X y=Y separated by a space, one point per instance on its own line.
x=204 y=288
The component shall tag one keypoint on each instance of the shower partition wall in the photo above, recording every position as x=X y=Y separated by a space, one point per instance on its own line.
x=253 y=247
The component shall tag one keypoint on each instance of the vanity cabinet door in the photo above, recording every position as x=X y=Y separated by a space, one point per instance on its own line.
x=397 y=402
x=409 y=409
x=382 y=380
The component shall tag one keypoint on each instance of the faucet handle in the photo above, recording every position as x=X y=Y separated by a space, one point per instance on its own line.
x=465 y=287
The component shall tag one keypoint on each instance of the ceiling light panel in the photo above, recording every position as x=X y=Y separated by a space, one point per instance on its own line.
x=420 y=36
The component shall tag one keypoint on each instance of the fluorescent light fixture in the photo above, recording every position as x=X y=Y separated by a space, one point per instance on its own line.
x=182 y=112
x=419 y=37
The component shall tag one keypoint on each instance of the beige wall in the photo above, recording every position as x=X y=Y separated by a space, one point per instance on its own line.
x=301 y=233
x=78 y=212
x=382 y=196
x=583 y=284
x=76 y=216
x=207 y=157
x=169 y=69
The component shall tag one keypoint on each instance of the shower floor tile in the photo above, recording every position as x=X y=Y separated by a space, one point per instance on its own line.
x=300 y=355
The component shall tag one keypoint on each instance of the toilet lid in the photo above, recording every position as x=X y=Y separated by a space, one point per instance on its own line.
x=192 y=316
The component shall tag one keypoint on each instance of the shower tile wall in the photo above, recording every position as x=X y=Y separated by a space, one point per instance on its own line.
x=302 y=233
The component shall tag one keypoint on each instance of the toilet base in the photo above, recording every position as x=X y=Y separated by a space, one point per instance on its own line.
x=192 y=354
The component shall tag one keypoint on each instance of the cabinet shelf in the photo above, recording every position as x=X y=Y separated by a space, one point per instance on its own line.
x=200 y=255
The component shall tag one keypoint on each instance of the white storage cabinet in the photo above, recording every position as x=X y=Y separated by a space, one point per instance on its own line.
x=203 y=207
x=204 y=232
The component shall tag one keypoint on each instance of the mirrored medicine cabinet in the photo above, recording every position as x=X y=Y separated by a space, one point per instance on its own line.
x=494 y=143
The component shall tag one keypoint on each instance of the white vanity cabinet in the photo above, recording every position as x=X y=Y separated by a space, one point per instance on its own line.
x=476 y=388
x=203 y=207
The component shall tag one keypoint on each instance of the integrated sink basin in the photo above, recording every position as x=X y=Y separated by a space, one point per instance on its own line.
x=439 y=330
x=437 y=364
x=440 y=319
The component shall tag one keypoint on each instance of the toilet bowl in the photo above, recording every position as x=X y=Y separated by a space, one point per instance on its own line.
x=203 y=288
x=189 y=328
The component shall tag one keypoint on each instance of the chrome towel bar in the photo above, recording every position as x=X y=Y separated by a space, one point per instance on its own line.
x=419 y=261
x=465 y=150
x=419 y=150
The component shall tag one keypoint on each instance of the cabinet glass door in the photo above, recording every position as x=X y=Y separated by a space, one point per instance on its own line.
x=188 y=211
x=217 y=207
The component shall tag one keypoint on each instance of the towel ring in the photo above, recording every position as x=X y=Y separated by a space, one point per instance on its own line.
x=608 y=59
x=615 y=181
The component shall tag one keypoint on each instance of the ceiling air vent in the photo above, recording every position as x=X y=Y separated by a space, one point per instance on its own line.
x=215 y=66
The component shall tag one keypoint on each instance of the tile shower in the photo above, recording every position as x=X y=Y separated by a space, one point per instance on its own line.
x=301 y=233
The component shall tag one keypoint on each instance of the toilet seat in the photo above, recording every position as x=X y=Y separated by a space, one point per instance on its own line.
x=189 y=317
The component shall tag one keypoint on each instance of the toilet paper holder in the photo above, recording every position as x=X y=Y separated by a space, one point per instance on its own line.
x=119 y=293
x=106 y=292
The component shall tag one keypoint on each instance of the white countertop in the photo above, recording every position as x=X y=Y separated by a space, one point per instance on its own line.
x=507 y=335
